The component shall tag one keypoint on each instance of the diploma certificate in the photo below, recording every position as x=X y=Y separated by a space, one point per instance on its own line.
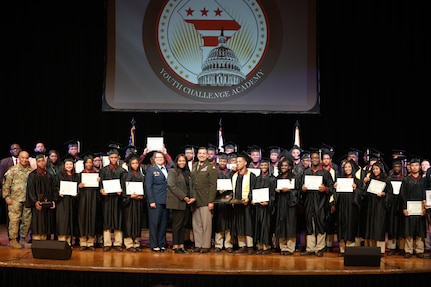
x=260 y=194
x=414 y=207
x=68 y=187
x=396 y=184
x=344 y=184
x=155 y=143
x=376 y=186
x=224 y=184
x=287 y=182
x=136 y=187
x=90 y=179
x=313 y=182
x=111 y=185
x=256 y=171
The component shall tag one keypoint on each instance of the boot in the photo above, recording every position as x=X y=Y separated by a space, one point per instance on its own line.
x=14 y=244
x=24 y=243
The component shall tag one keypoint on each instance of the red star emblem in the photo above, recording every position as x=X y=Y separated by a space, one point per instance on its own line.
x=218 y=12
x=190 y=12
x=204 y=12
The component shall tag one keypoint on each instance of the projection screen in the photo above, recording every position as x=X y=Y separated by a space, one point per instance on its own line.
x=243 y=56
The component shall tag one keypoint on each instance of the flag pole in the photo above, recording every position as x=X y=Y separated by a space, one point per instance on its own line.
x=297 y=140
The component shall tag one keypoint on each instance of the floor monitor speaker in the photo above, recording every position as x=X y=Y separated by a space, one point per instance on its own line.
x=51 y=249
x=362 y=256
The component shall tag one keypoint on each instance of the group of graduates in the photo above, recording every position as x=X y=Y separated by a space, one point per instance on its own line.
x=290 y=199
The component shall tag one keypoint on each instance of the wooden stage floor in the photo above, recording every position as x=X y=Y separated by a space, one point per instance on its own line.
x=206 y=264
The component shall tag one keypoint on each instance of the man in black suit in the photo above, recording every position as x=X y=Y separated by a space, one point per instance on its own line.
x=5 y=164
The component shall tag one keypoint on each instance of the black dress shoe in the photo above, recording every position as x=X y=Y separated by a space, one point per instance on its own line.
x=91 y=248
x=306 y=253
x=163 y=250
x=217 y=250
x=229 y=250
x=407 y=255
x=241 y=250
x=106 y=248
x=420 y=255
x=82 y=248
x=319 y=253
x=118 y=248
x=131 y=249
x=196 y=250
x=205 y=250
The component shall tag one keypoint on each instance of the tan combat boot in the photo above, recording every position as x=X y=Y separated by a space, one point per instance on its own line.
x=14 y=244
x=24 y=243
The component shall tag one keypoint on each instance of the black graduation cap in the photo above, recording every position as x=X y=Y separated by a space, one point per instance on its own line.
x=254 y=148
x=212 y=147
x=412 y=158
x=295 y=147
x=68 y=157
x=274 y=149
x=353 y=151
x=399 y=154
x=114 y=147
x=232 y=155
x=223 y=156
x=72 y=143
x=231 y=145
x=131 y=156
x=305 y=154
x=265 y=159
x=39 y=155
x=190 y=147
x=327 y=149
x=86 y=155
x=375 y=154
x=245 y=156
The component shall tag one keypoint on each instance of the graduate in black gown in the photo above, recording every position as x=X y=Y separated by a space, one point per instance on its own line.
x=133 y=204
x=89 y=194
x=414 y=225
x=264 y=209
x=347 y=206
x=65 y=203
x=286 y=214
x=377 y=206
x=112 y=203
x=40 y=198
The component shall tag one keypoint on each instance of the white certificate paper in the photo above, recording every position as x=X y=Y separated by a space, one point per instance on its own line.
x=286 y=182
x=313 y=182
x=155 y=143
x=396 y=184
x=428 y=197
x=112 y=185
x=90 y=179
x=414 y=207
x=344 y=184
x=260 y=194
x=376 y=186
x=136 y=187
x=79 y=166
x=256 y=171
x=224 y=184
x=68 y=187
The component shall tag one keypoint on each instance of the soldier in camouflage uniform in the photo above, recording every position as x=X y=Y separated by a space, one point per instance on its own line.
x=14 y=193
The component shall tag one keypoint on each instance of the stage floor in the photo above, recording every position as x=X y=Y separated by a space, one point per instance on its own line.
x=209 y=263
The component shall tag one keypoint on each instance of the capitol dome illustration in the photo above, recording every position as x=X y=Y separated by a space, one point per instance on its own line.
x=221 y=67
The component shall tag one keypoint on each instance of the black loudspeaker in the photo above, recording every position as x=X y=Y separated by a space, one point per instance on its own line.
x=51 y=249
x=362 y=256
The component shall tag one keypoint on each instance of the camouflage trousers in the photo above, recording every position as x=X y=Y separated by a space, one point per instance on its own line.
x=19 y=220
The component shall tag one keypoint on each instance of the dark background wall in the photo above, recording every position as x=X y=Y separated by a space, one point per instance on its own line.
x=374 y=59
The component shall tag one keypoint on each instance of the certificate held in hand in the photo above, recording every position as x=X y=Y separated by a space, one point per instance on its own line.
x=68 y=187
x=111 y=185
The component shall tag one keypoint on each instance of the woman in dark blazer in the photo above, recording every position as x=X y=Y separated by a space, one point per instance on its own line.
x=156 y=185
x=179 y=200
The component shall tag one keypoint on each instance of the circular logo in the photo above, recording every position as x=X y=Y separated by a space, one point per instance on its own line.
x=211 y=50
